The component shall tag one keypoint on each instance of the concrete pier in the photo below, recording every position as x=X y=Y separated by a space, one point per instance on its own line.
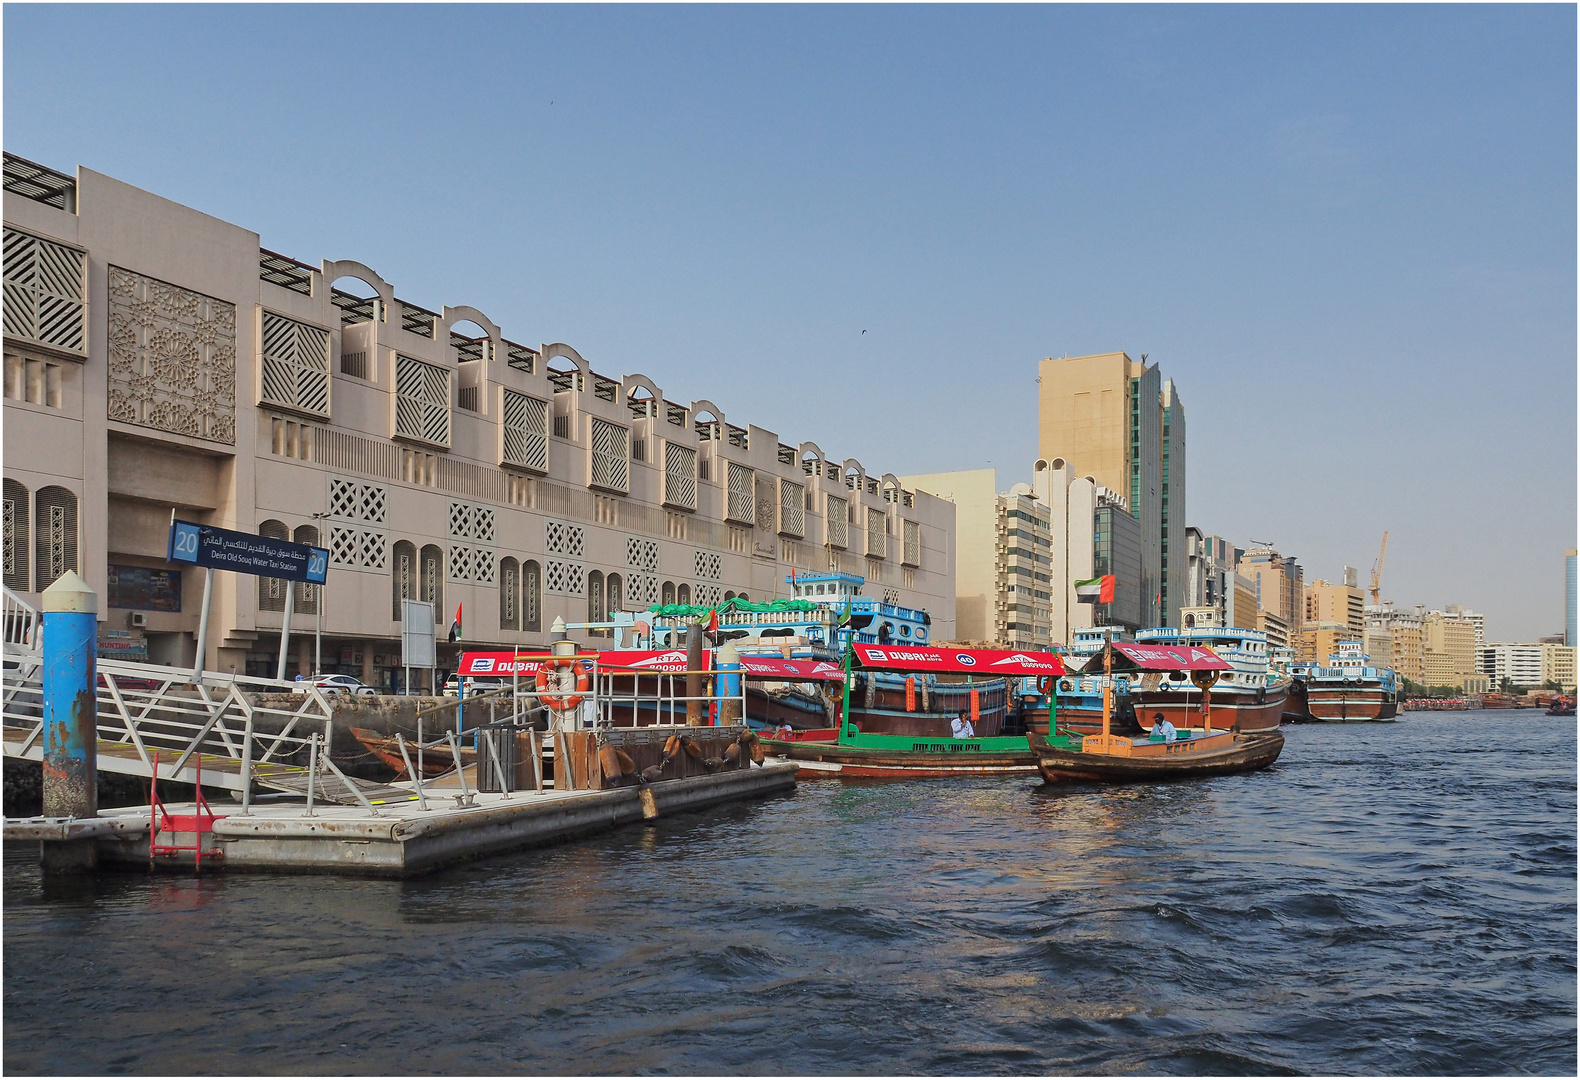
x=402 y=841
x=70 y=764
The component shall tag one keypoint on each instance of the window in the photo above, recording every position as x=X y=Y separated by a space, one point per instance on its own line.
x=683 y=594
x=792 y=508
x=668 y=594
x=295 y=369
x=404 y=577
x=422 y=401
x=680 y=475
x=16 y=536
x=509 y=594
x=44 y=288
x=595 y=608
x=913 y=544
x=614 y=588
x=838 y=522
x=877 y=534
x=741 y=504
x=431 y=580
x=610 y=460
x=271 y=591
x=526 y=442
x=306 y=595
x=531 y=596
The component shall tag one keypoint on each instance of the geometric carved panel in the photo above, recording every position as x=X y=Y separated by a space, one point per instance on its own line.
x=172 y=358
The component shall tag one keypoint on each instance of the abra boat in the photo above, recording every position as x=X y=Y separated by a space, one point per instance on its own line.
x=1350 y=689
x=848 y=750
x=1247 y=698
x=1081 y=695
x=1196 y=752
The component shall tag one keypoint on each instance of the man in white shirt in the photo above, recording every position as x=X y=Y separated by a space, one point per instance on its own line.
x=962 y=727
x=1161 y=727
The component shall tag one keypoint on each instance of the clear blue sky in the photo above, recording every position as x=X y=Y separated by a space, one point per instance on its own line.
x=1347 y=233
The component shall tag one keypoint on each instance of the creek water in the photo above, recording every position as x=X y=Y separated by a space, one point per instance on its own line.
x=1388 y=898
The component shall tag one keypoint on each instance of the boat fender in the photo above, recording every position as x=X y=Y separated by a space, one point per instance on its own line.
x=1045 y=683
x=583 y=681
x=871 y=690
x=927 y=693
x=976 y=706
x=910 y=693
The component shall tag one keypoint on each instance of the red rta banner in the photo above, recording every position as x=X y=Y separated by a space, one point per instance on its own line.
x=995 y=662
x=1148 y=657
x=772 y=667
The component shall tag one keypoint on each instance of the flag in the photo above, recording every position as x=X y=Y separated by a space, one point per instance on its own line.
x=1097 y=590
x=845 y=615
x=713 y=621
x=455 y=627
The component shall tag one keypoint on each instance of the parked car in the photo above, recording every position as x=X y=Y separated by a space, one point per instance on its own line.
x=131 y=682
x=476 y=684
x=335 y=684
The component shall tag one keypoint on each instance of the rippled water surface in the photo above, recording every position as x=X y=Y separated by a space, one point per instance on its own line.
x=1388 y=898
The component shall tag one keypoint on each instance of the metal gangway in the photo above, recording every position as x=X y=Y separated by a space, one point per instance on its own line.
x=243 y=732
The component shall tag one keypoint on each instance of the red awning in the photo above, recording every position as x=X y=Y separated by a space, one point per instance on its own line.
x=650 y=659
x=500 y=664
x=1129 y=656
x=1000 y=662
x=771 y=667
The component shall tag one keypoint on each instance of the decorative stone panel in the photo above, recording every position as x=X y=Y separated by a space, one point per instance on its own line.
x=172 y=358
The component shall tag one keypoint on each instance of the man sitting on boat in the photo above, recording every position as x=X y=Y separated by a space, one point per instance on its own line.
x=962 y=727
x=1161 y=728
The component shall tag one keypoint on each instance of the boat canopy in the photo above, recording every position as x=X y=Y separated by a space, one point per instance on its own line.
x=1143 y=656
x=735 y=603
x=771 y=667
x=999 y=662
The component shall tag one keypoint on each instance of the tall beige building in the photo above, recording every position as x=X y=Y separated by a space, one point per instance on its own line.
x=1404 y=631
x=1344 y=603
x=1448 y=649
x=1116 y=420
x=1280 y=594
x=159 y=362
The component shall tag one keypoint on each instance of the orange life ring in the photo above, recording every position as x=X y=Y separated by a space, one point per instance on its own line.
x=583 y=681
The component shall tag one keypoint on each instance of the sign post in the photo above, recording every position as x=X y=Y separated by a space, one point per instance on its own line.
x=246 y=553
x=416 y=637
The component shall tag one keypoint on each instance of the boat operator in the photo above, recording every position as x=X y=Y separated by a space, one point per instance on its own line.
x=1161 y=728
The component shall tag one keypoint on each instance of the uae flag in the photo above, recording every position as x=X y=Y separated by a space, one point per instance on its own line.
x=1098 y=590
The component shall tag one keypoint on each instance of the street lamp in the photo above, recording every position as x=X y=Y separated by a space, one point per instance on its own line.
x=318 y=609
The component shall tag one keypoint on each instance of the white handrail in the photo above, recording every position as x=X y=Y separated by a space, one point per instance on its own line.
x=21 y=622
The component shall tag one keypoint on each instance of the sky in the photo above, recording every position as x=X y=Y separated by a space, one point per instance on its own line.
x=1347 y=233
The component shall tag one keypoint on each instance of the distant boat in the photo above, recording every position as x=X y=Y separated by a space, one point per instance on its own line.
x=1349 y=688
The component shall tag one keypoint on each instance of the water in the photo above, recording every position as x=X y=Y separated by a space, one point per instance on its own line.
x=1387 y=899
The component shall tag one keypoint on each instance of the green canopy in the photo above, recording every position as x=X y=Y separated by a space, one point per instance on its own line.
x=772 y=607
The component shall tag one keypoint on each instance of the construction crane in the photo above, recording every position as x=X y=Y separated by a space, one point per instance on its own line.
x=1377 y=572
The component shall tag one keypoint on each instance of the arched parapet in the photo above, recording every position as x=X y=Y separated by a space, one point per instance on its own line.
x=810 y=455
x=344 y=268
x=466 y=313
x=854 y=474
x=559 y=348
x=706 y=406
x=641 y=392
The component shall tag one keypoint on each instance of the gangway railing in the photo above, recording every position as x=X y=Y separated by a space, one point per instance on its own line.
x=21 y=624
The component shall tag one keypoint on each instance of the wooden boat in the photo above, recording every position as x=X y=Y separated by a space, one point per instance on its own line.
x=1196 y=752
x=847 y=750
x=1561 y=706
x=1349 y=689
x=435 y=762
x=1249 y=696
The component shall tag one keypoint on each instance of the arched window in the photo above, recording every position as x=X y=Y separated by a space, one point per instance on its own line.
x=742 y=598
x=55 y=536
x=531 y=596
x=271 y=591
x=16 y=538
x=306 y=595
x=431 y=583
x=403 y=575
x=683 y=594
x=728 y=596
x=595 y=609
x=509 y=594
x=668 y=595
x=616 y=590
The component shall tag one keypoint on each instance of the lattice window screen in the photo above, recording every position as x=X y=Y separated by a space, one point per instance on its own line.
x=877 y=537
x=641 y=553
x=565 y=578
x=641 y=590
x=16 y=536
x=680 y=475
x=295 y=369
x=792 y=508
x=562 y=539
x=709 y=564
x=526 y=432
x=358 y=501
x=469 y=522
x=767 y=504
x=271 y=591
x=55 y=534
x=708 y=595
x=422 y=401
x=610 y=455
x=913 y=544
x=44 y=288
x=357 y=549
x=469 y=563
x=742 y=500
x=509 y=595
x=838 y=522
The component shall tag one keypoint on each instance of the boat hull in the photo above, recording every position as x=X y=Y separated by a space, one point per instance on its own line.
x=1244 y=753
x=887 y=714
x=1231 y=710
x=829 y=758
x=1349 y=702
x=1295 y=711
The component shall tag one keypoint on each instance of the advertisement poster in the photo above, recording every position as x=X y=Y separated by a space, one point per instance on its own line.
x=144 y=588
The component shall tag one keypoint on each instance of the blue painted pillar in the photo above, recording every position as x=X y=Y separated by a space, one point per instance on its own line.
x=727 y=683
x=71 y=742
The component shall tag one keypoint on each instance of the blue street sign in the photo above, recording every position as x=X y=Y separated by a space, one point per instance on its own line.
x=247 y=553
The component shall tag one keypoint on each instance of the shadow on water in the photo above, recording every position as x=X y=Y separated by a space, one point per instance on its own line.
x=1328 y=915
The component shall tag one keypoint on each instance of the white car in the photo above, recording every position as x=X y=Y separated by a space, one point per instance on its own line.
x=335 y=684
